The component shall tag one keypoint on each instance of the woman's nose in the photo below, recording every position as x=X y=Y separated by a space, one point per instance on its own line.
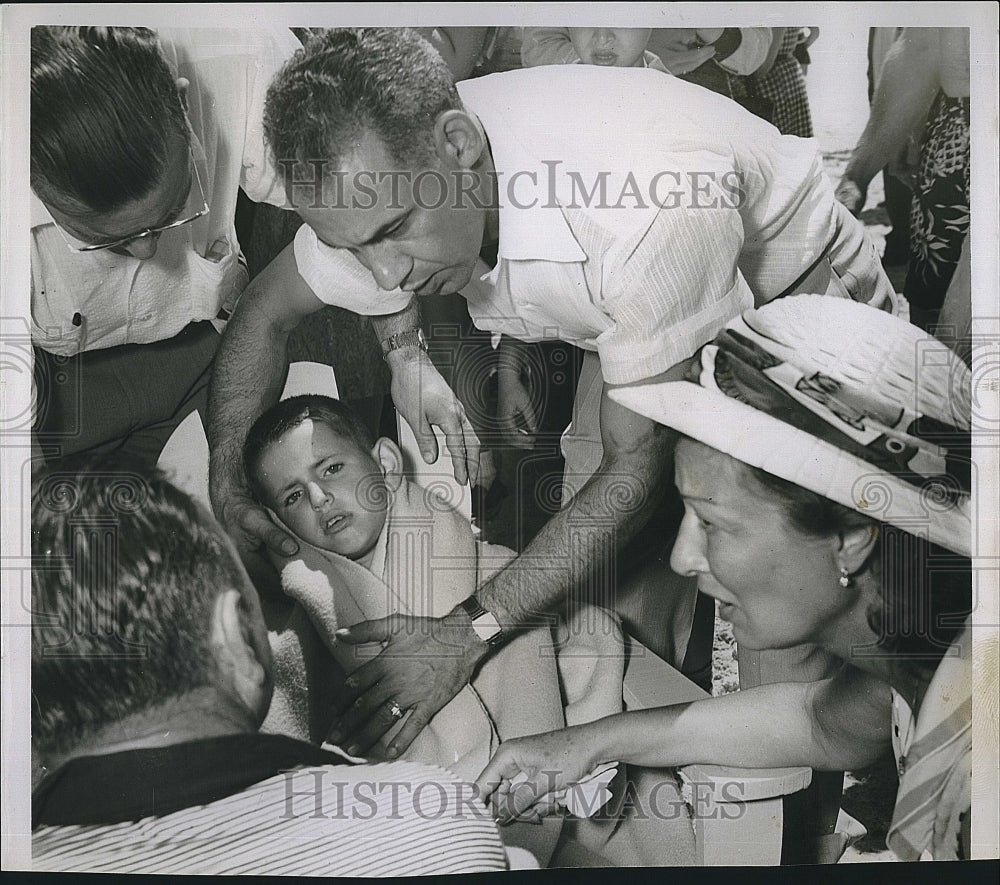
x=318 y=496
x=604 y=36
x=688 y=556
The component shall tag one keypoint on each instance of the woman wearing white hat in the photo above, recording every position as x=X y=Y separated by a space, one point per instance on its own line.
x=824 y=465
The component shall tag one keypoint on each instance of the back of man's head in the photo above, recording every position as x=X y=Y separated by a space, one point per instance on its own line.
x=105 y=110
x=344 y=82
x=126 y=571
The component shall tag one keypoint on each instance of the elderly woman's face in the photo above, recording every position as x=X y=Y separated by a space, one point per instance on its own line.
x=777 y=586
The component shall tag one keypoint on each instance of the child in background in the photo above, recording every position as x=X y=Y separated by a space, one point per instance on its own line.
x=612 y=47
x=615 y=47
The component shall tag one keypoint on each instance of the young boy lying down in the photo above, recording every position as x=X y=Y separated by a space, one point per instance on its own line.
x=375 y=544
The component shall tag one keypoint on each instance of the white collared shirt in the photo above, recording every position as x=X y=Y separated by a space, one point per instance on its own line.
x=92 y=300
x=642 y=284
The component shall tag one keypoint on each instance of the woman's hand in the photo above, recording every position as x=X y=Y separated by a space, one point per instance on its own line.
x=525 y=775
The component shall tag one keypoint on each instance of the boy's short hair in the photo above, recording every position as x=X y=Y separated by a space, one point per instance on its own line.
x=126 y=569
x=290 y=413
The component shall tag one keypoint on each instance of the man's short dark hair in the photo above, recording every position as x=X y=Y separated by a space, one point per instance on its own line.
x=389 y=81
x=125 y=573
x=105 y=113
x=290 y=413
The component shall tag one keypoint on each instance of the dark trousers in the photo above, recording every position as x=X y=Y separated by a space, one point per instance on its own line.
x=125 y=399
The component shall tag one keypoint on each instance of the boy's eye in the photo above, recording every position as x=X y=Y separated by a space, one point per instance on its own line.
x=292 y=498
x=331 y=469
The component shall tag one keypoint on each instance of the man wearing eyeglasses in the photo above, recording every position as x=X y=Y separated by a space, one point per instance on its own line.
x=140 y=142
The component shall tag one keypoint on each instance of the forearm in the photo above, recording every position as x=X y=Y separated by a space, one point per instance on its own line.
x=513 y=356
x=250 y=370
x=572 y=546
x=242 y=388
x=909 y=81
x=772 y=726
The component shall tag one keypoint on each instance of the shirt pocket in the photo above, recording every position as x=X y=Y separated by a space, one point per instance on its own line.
x=216 y=281
x=59 y=338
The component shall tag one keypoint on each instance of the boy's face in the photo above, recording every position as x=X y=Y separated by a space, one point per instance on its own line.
x=326 y=489
x=611 y=47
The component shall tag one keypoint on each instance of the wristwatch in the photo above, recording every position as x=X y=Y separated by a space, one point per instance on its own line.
x=484 y=622
x=409 y=338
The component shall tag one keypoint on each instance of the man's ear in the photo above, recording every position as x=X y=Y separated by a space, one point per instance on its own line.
x=390 y=459
x=182 y=84
x=458 y=138
x=239 y=666
x=856 y=546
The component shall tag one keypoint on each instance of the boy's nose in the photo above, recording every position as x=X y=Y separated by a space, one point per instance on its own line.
x=688 y=555
x=318 y=496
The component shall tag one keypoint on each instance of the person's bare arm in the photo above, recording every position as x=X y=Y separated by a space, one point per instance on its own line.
x=250 y=371
x=607 y=511
x=840 y=723
x=911 y=75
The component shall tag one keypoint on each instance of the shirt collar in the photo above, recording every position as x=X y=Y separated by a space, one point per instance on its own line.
x=134 y=784
x=539 y=230
x=38 y=214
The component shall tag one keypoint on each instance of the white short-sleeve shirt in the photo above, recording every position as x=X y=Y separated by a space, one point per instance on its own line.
x=703 y=207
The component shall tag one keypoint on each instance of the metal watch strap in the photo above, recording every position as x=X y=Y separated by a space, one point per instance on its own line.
x=409 y=338
x=484 y=622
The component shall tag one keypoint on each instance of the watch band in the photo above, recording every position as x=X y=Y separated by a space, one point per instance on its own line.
x=484 y=622
x=409 y=338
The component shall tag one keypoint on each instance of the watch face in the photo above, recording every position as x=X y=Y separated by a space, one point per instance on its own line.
x=486 y=626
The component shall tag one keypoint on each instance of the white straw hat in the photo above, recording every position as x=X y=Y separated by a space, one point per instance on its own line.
x=839 y=398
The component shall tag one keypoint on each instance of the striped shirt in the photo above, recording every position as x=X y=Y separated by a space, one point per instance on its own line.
x=388 y=819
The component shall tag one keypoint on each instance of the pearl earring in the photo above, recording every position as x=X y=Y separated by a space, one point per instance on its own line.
x=845 y=579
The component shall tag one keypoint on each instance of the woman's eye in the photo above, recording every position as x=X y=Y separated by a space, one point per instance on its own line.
x=332 y=469
x=292 y=498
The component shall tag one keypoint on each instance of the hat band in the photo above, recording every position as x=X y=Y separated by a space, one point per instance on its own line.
x=919 y=450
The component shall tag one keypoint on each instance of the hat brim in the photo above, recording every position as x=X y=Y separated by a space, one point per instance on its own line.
x=755 y=438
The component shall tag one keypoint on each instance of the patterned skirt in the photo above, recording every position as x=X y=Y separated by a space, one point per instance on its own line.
x=939 y=214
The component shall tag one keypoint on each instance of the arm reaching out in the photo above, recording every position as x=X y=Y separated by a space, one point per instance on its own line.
x=840 y=723
x=250 y=371
x=909 y=81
